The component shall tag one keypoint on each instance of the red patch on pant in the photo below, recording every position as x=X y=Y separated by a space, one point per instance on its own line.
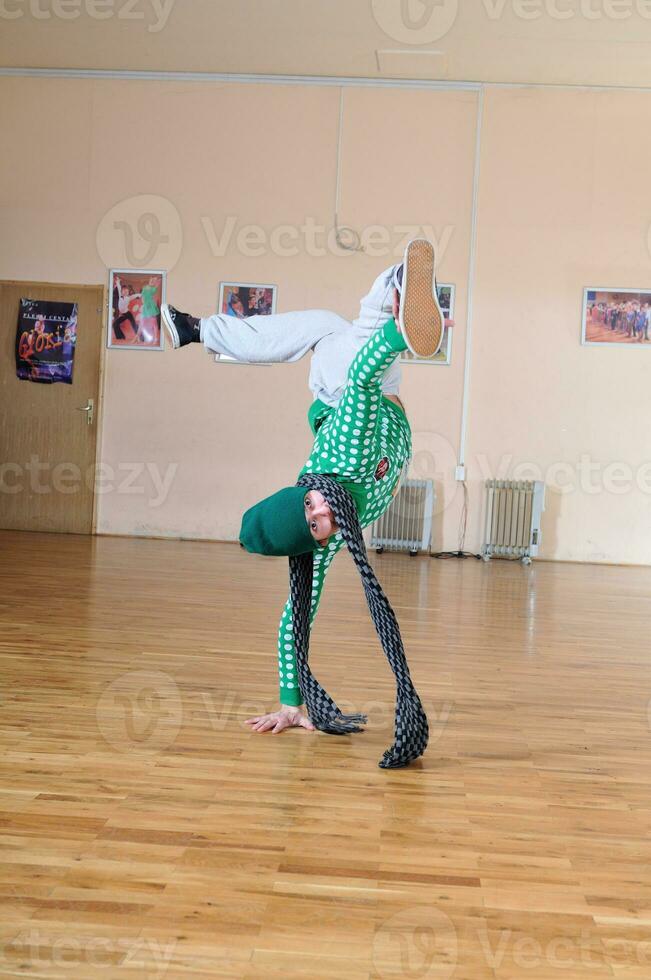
x=382 y=468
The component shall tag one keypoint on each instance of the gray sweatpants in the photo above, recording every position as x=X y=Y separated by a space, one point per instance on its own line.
x=283 y=337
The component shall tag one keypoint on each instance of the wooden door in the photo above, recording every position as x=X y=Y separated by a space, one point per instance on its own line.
x=47 y=439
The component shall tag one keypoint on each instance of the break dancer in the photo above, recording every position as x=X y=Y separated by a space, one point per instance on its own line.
x=362 y=446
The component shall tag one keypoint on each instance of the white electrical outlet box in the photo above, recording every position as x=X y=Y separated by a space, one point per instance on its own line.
x=460 y=473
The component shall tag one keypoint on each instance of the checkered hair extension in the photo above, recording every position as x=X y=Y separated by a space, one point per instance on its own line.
x=411 y=727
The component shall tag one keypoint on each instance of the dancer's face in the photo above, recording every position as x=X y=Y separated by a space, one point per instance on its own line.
x=319 y=516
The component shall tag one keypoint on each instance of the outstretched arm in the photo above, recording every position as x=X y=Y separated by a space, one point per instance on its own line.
x=290 y=714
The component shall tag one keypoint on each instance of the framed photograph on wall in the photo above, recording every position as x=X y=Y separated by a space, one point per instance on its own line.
x=445 y=292
x=616 y=316
x=135 y=297
x=241 y=299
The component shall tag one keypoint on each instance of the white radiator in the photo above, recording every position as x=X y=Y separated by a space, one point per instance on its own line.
x=513 y=515
x=406 y=525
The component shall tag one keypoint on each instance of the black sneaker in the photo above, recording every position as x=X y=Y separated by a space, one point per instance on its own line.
x=180 y=328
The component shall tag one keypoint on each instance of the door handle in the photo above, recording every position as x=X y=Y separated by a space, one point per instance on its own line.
x=89 y=409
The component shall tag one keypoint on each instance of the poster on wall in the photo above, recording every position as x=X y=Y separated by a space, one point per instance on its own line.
x=616 y=316
x=135 y=298
x=445 y=292
x=243 y=299
x=45 y=341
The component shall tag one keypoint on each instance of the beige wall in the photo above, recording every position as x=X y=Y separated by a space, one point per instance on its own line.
x=560 y=208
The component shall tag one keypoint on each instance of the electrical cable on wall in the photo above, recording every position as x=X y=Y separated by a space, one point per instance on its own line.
x=347 y=238
x=472 y=261
x=463 y=524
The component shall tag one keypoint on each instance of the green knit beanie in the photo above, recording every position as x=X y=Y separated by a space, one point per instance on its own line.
x=277 y=525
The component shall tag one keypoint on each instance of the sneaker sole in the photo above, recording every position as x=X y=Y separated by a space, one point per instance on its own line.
x=421 y=319
x=168 y=323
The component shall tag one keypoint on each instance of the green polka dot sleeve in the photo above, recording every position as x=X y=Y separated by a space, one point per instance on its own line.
x=287 y=676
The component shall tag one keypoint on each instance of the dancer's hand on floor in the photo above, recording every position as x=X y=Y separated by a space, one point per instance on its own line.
x=277 y=721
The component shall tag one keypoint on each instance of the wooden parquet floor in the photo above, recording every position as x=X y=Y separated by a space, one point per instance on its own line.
x=146 y=832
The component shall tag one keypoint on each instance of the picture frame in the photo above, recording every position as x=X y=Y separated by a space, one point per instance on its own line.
x=242 y=299
x=224 y=299
x=127 y=328
x=446 y=292
x=616 y=317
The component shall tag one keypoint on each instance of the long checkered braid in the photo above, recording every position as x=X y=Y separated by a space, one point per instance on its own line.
x=411 y=728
